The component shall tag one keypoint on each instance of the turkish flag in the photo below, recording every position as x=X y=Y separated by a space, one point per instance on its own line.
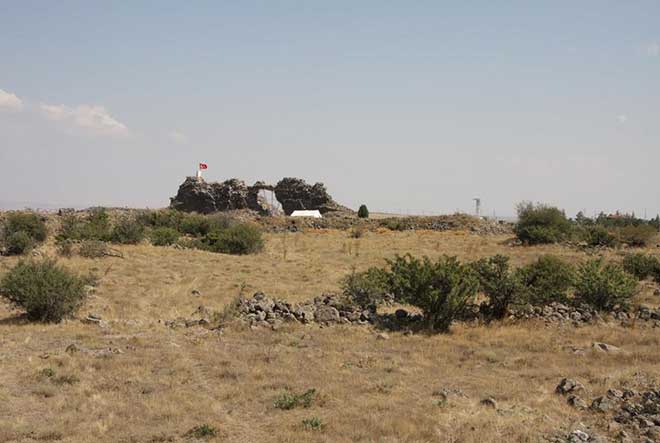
x=203 y=166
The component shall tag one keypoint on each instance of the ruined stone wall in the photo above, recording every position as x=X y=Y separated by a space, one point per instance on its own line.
x=197 y=195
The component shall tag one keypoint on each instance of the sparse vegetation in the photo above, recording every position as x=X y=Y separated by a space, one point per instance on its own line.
x=368 y=288
x=204 y=431
x=638 y=236
x=642 y=266
x=290 y=400
x=238 y=239
x=22 y=231
x=312 y=424
x=46 y=291
x=18 y=243
x=92 y=249
x=164 y=236
x=127 y=231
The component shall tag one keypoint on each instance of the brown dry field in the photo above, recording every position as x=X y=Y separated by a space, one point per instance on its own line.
x=165 y=381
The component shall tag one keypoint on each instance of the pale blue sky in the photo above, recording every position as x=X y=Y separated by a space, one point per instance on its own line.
x=412 y=106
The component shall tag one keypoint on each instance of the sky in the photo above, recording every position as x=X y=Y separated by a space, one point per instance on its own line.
x=406 y=106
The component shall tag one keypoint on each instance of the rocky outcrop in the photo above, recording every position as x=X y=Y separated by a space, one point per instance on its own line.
x=197 y=195
x=295 y=194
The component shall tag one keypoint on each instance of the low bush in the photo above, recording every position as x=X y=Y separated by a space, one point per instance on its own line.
x=238 y=239
x=18 y=243
x=363 y=212
x=604 y=286
x=596 y=235
x=164 y=236
x=94 y=226
x=194 y=224
x=642 y=266
x=441 y=289
x=640 y=235
x=289 y=400
x=548 y=279
x=203 y=431
x=499 y=283
x=394 y=224
x=92 y=249
x=31 y=224
x=312 y=424
x=538 y=224
x=65 y=248
x=45 y=290
x=367 y=289
x=127 y=231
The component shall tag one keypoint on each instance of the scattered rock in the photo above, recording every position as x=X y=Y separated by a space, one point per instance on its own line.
x=577 y=402
x=489 y=402
x=603 y=404
x=382 y=336
x=326 y=314
x=568 y=386
x=606 y=348
x=195 y=292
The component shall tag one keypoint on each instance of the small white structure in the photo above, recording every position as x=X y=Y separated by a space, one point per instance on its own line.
x=307 y=213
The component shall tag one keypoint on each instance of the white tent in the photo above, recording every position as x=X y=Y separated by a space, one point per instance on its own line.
x=315 y=213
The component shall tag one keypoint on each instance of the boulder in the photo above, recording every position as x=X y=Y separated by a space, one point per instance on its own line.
x=326 y=314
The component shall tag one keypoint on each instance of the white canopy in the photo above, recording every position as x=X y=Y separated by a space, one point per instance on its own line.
x=307 y=213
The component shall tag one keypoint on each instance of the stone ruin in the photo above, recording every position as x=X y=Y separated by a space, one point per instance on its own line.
x=197 y=195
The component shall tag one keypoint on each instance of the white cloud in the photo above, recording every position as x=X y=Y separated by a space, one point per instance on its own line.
x=90 y=118
x=178 y=137
x=653 y=50
x=10 y=101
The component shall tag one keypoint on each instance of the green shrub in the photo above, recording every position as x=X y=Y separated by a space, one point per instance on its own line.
x=640 y=235
x=45 y=290
x=441 y=289
x=92 y=249
x=363 y=212
x=289 y=400
x=366 y=289
x=501 y=286
x=195 y=224
x=604 y=286
x=168 y=218
x=549 y=279
x=597 y=235
x=31 y=224
x=238 y=239
x=65 y=248
x=202 y=432
x=164 y=236
x=18 y=243
x=219 y=221
x=94 y=226
x=394 y=224
x=641 y=265
x=312 y=424
x=540 y=223
x=127 y=231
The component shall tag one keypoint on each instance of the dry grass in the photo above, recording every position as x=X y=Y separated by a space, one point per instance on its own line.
x=156 y=383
